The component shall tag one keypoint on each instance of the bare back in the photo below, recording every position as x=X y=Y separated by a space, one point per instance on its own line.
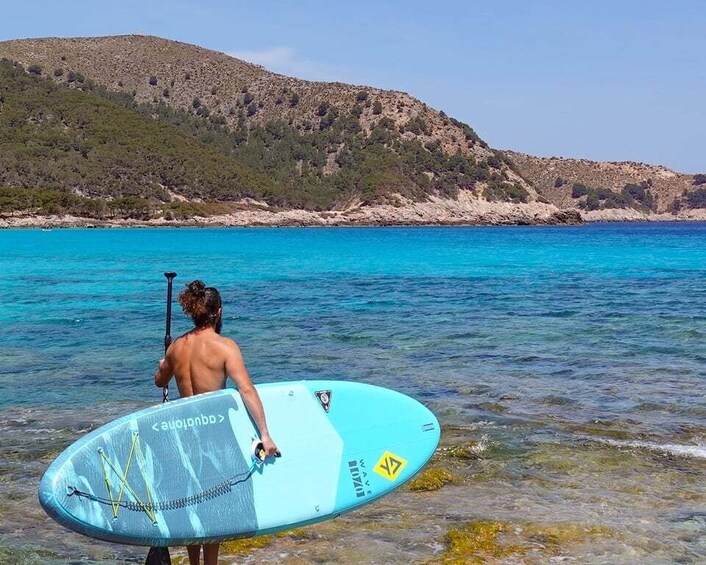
x=200 y=360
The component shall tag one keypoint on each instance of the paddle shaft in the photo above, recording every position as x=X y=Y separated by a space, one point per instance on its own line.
x=160 y=555
x=167 y=333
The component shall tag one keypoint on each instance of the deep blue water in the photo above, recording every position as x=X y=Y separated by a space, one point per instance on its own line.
x=548 y=333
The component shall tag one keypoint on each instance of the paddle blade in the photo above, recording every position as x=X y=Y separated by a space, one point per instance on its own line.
x=158 y=556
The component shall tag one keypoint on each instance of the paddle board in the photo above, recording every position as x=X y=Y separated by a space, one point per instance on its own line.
x=183 y=473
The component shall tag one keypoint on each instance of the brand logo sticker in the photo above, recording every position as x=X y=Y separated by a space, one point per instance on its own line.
x=186 y=423
x=324 y=397
x=390 y=465
x=359 y=476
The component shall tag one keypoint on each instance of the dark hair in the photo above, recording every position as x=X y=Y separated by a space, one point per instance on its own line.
x=201 y=303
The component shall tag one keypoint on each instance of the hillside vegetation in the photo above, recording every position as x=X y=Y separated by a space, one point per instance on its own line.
x=289 y=143
x=77 y=152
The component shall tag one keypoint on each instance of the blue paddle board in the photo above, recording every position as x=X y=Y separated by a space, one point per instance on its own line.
x=183 y=473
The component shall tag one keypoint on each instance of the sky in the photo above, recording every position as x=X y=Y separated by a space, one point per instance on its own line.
x=618 y=80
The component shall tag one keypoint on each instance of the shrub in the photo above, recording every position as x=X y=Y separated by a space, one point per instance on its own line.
x=592 y=202
x=252 y=109
x=516 y=193
x=130 y=207
x=699 y=179
x=213 y=91
x=58 y=72
x=247 y=98
x=579 y=190
x=329 y=119
x=497 y=190
x=417 y=126
x=165 y=93
x=639 y=192
x=294 y=100
x=470 y=135
x=559 y=182
x=377 y=107
x=322 y=110
x=387 y=123
x=153 y=80
x=195 y=103
x=34 y=70
x=697 y=199
x=181 y=210
x=362 y=96
x=494 y=162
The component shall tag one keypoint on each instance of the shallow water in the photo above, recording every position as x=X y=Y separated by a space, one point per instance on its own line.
x=568 y=361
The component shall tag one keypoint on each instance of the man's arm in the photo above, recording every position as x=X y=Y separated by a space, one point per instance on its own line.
x=235 y=367
x=165 y=372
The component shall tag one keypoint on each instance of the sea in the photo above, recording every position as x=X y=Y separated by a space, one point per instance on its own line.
x=567 y=366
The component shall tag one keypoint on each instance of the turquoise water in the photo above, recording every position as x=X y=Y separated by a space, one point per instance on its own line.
x=549 y=346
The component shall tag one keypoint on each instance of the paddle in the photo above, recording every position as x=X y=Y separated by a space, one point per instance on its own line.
x=160 y=555
x=167 y=333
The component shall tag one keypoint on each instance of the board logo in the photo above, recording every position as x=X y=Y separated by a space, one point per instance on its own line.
x=361 y=484
x=186 y=423
x=390 y=465
x=324 y=397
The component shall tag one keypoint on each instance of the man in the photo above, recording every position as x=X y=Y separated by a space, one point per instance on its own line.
x=201 y=360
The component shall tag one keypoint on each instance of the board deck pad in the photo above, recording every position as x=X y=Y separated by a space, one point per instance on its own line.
x=182 y=473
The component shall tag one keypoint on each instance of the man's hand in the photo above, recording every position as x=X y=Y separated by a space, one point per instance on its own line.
x=163 y=373
x=269 y=445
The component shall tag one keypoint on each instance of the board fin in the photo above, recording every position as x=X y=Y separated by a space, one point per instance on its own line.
x=158 y=556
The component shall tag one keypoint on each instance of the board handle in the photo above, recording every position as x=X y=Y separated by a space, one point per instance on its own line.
x=257 y=451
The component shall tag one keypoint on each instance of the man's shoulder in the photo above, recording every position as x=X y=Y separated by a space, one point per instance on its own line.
x=228 y=342
x=176 y=343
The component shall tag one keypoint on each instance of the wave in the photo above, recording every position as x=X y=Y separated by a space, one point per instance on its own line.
x=680 y=450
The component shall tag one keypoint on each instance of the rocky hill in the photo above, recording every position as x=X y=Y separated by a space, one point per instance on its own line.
x=167 y=129
x=597 y=187
x=324 y=146
x=176 y=73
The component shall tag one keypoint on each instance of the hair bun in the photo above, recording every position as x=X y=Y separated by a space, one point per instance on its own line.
x=201 y=303
x=197 y=289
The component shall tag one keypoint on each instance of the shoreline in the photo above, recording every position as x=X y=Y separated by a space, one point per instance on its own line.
x=464 y=211
x=233 y=221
